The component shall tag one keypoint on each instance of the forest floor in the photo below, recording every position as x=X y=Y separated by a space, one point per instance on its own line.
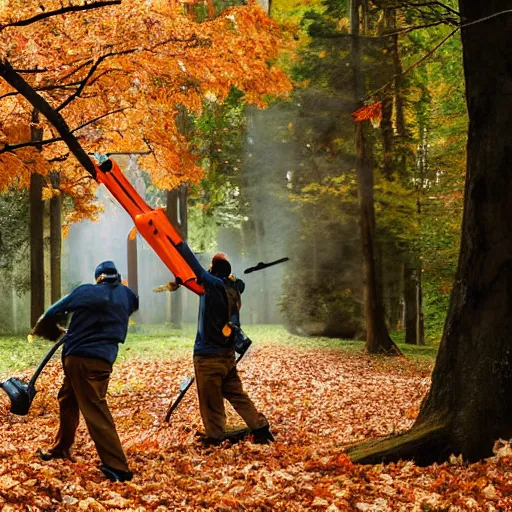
x=319 y=395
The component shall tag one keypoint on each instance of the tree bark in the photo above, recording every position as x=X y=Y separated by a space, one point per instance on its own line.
x=55 y=240
x=468 y=406
x=36 y=232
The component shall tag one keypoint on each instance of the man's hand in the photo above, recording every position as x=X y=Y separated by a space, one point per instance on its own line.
x=171 y=286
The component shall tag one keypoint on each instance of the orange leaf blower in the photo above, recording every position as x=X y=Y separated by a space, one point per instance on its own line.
x=152 y=224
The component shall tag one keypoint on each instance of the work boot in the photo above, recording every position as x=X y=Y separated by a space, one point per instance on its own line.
x=55 y=453
x=262 y=435
x=209 y=441
x=235 y=436
x=116 y=475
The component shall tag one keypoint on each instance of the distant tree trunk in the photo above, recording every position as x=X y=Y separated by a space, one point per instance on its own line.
x=177 y=214
x=377 y=336
x=468 y=406
x=132 y=260
x=36 y=232
x=55 y=240
x=266 y=4
x=410 y=303
x=401 y=130
x=413 y=318
x=386 y=125
x=265 y=300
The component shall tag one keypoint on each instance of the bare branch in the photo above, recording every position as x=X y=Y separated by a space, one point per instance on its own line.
x=11 y=148
x=91 y=71
x=61 y=158
x=91 y=121
x=126 y=153
x=414 y=65
x=428 y=4
x=32 y=71
x=83 y=83
x=406 y=30
x=58 y=12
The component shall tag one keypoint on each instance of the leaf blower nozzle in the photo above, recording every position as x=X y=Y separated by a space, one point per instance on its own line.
x=20 y=393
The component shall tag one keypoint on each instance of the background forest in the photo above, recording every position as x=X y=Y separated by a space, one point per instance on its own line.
x=282 y=181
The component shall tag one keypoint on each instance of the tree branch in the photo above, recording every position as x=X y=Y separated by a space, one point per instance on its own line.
x=58 y=12
x=10 y=148
x=91 y=71
x=17 y=82
x=414 y=65
x=406 y=30
x=91 y=121
x=428 y=4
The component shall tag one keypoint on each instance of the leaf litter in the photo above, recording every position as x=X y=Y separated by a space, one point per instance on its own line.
x=317 y=401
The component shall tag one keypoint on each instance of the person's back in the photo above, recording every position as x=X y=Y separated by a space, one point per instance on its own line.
x=100 y=319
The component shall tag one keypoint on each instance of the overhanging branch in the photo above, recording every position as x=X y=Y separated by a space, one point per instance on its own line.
x=58 y=12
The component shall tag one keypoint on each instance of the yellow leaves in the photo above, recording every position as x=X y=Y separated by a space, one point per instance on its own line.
x=7 y=482
x=49 y=192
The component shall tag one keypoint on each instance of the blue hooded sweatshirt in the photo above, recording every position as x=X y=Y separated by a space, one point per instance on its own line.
x=100 y=315
x=213 y=307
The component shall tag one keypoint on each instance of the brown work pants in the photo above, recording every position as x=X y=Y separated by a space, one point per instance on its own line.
x=217 y=379
x=84 y=390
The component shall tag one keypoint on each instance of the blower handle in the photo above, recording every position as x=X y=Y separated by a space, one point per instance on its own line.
x=44 y=362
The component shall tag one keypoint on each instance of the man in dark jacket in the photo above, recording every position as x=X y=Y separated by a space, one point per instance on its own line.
x=98 y=324
x=214 y=356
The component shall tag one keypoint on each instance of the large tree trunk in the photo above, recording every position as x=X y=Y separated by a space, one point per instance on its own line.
x=55 y=240
x=468 y=406
x=36 y=233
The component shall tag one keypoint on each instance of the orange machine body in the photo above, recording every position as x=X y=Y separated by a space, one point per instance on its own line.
x=152 y=224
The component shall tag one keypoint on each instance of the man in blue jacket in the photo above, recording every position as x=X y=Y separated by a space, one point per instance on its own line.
x=98 y=324
x=214 y=356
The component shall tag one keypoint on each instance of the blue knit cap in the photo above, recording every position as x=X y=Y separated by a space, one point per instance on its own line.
x=108 y=269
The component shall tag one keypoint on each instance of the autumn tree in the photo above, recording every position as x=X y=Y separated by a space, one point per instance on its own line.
x=109 y=78
x=468 y=405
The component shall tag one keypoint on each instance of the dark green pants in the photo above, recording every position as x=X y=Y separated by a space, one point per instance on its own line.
x=84 y=390
x=217 y=379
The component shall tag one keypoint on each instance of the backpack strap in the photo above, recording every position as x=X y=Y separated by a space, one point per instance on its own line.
x=231 y=299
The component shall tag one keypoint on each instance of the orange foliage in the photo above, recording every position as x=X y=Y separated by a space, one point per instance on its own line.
x=118 y=74
x=368 y=112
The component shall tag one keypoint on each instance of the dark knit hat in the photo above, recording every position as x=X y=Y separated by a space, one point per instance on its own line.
x=220 y=265
x=106 y=270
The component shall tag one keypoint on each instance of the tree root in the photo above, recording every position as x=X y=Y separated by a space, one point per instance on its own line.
x=424 y=444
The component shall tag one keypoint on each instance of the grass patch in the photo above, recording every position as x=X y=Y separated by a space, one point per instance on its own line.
x=16 y=353
x=164 y=342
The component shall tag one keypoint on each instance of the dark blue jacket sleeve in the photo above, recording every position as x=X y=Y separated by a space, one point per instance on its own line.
x=65 y=305
x=202 y=274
